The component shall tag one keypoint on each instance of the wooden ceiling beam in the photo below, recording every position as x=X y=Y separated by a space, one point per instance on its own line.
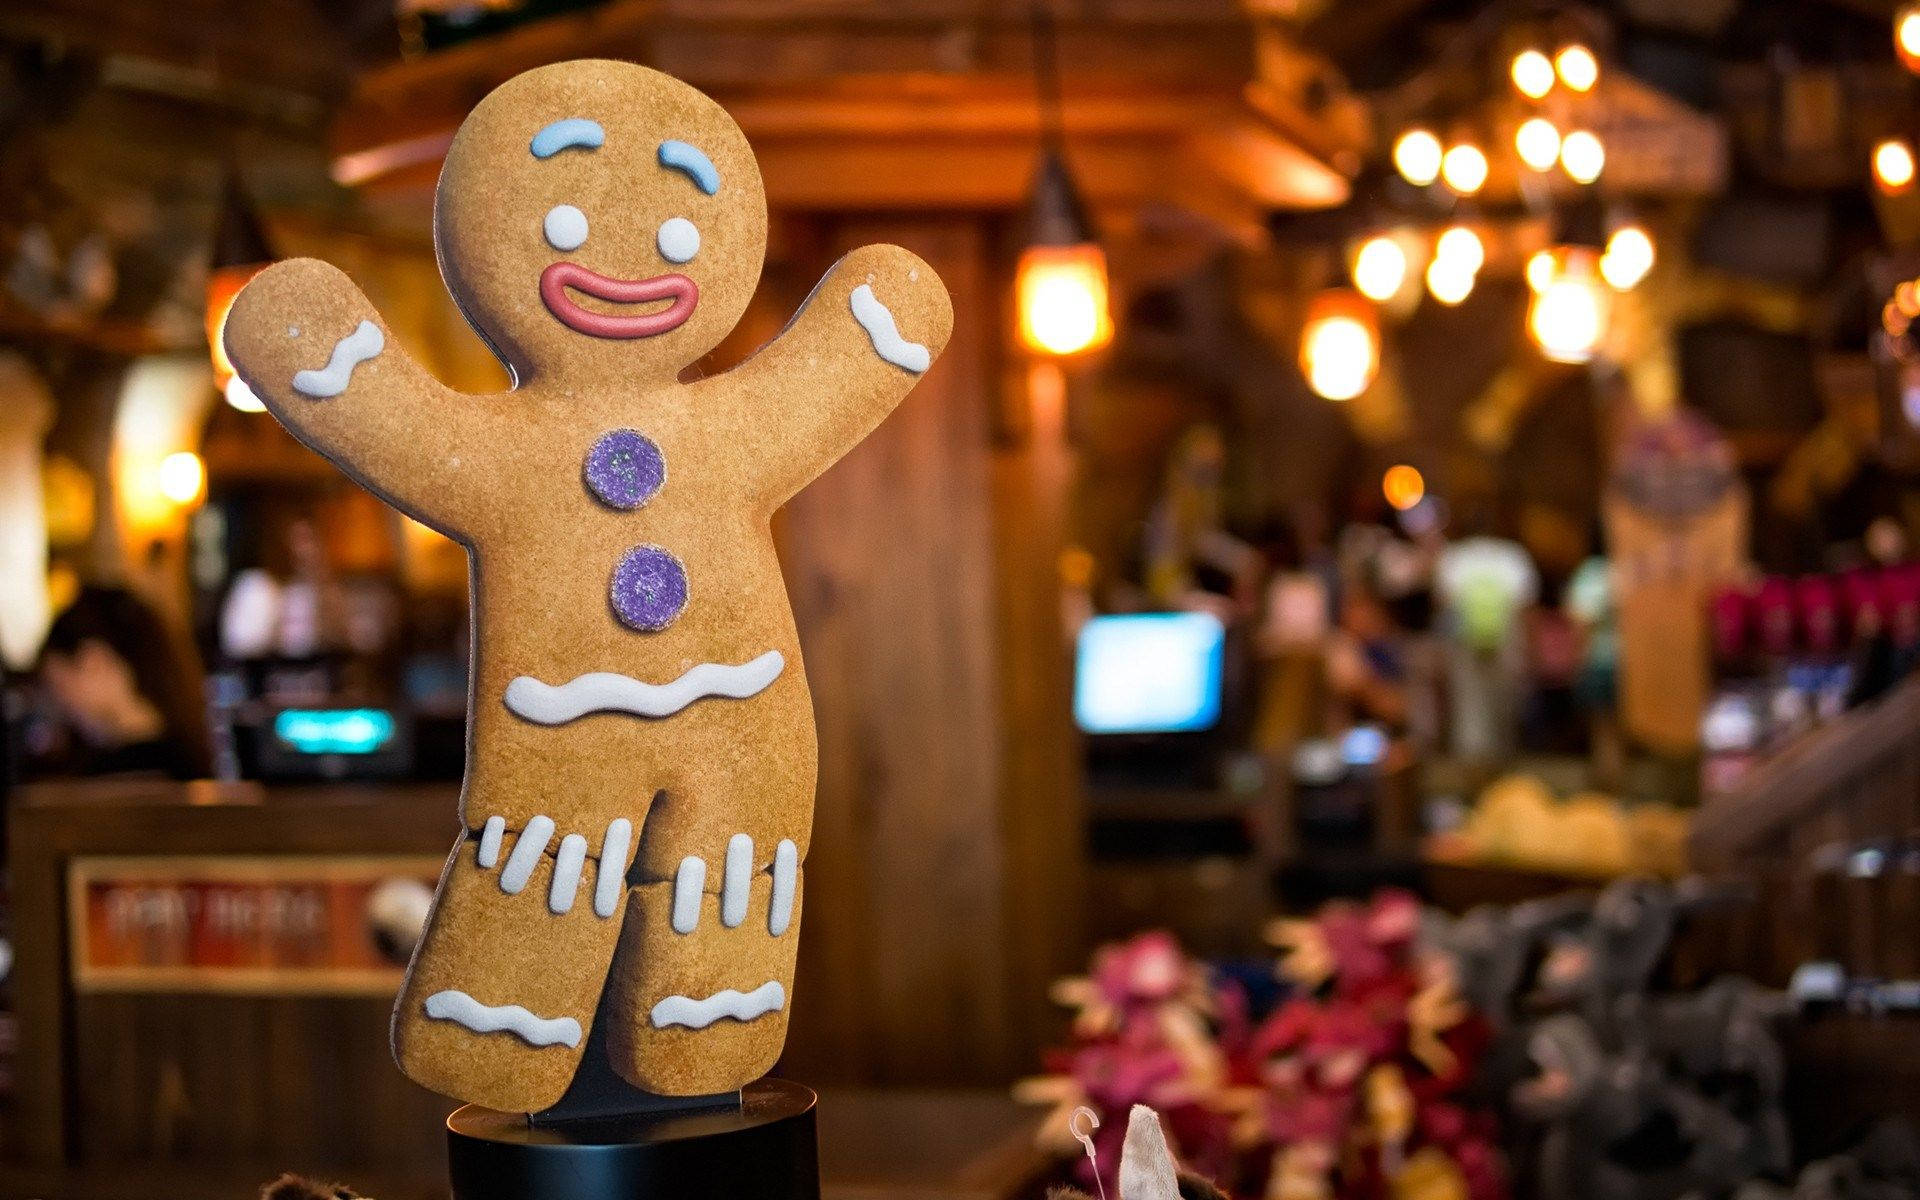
x=931 y=105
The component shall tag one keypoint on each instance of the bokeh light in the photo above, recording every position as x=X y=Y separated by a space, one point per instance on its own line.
x=1416 y=155
x=1464 y=168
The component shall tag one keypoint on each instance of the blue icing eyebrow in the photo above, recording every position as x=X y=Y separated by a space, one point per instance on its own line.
x=684 y=156
x=571 y=131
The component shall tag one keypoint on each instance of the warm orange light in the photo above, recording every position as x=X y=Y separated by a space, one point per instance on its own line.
x=1061 y=294
x=223 y=284
x=1450 y=280
x=1583 y=156
x=1339 y=346
x=1577 y=67
x=1568 y=317
x=1464 y=168
x=1532 y=73
x=1628 y=258
x=1538 y=142
x=1542 y=267
x=1403 y=487
x=1893 y=166
x=1379 y=268
x=1906 y=36
x=1416 y=155
x=1463 y=247
x=181 y=477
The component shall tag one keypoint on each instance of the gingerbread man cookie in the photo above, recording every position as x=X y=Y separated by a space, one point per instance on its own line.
x=640 y=780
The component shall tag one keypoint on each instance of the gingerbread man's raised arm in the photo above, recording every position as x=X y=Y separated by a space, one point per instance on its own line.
x=311 y=346
x=870 y=329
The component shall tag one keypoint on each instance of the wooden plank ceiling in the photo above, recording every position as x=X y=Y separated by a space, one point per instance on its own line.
x=860 y=105
x=851 y=104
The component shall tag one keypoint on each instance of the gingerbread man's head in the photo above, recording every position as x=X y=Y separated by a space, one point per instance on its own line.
x=597 y=218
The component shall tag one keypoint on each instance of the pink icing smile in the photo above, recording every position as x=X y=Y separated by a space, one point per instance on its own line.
x=556 y=279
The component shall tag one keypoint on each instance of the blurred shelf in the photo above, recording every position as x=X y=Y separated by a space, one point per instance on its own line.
x=108 y=335
x=1459 y=886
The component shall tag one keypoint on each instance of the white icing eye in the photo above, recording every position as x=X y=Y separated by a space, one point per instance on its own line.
x=566 y=227
x=679 y=239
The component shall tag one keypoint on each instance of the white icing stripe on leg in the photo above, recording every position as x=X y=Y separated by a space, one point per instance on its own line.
x=786 y=868
x=612 y=874
x=735 y=888
x=567 y=862
x=687 y=888
x=741 y=1006
x=526 y=853
x=462 y=1009
x=489 y=853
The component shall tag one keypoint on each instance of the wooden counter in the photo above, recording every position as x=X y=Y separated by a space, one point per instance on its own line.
x=178 y=1079
x=145 y=1093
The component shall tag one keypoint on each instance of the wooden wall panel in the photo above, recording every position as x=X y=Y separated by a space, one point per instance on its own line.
x=923 y=955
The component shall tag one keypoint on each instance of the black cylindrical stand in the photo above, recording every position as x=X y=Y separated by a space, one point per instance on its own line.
x=760 y=1149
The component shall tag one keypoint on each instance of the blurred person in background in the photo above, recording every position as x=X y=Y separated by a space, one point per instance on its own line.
x=119 y=693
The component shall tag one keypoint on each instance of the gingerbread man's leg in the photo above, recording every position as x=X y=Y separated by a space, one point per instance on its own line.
x=468 y=1022
x=703 y=981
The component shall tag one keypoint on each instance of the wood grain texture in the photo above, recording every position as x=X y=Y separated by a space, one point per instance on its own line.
x=944 y=877
x=118 y=1078
x=888 y=558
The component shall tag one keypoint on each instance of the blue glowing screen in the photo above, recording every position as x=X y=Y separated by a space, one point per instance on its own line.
x=1148 y=673
x=334 y=730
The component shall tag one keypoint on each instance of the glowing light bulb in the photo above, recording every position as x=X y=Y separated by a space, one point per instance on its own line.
x=1339 y=347
x=1906 y=36
x=1464 y=168
x=1448 y=280
x=1403 y=486
x=1542 y=266
x=1577 y=67
x=1379 y=268
x=1463 y=247
x=1893 y=166
x=1061 y=296
x=1416 y=155
x=1583 y=156
x=1538 y=142
x=1628 y=258
x=1568 y=318
x=1532 y=74
x=241 y=396
x=181 y=476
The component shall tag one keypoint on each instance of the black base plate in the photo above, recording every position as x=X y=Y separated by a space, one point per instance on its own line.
x=759 y=1149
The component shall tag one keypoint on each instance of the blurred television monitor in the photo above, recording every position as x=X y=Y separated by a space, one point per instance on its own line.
x=1149 y=673
x=333 y=743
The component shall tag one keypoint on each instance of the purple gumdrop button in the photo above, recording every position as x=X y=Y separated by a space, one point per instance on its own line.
x=649 y=589
x=624 y=469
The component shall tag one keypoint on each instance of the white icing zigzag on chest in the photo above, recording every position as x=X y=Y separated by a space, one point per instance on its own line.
x=462 y=1009
x=365 y=342
x=610 y=691
x=741 y=1006
x=877 y=319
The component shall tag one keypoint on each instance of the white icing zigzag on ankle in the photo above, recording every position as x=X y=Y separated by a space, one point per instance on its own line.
x=609 y=691
x=741 y=1006
x=462 y=1009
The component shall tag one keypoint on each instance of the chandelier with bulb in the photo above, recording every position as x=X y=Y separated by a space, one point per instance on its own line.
x=1533 y=132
